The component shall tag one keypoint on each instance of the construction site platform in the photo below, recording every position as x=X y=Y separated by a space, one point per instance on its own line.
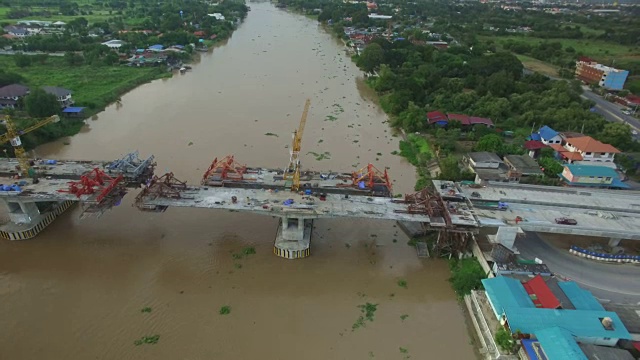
x=271 y=202
x=59 y=170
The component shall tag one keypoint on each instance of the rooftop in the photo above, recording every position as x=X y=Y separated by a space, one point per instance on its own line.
x=628 y=313
x=479 y=120
x=594 y=352
x=463 y=119
x=558 y=343
x=589 y=144
x=540 y=293
x=506 y=293
x=14 y=90
x=547 y=133
x=484 y=156
x=580 y=298
x=591 y=170
x=523 y=164
x=57 y=91
x=579 y=323
x=534 y=144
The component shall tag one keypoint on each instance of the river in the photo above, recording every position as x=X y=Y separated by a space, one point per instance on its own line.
x=77 y=290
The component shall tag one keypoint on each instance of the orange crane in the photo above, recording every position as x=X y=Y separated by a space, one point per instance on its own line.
x=13 y=135
x=292 y=171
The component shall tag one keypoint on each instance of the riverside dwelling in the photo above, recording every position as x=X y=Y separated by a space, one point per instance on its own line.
x=11 y=94
x=570 y=147
x=62 y=95
x=549 y=328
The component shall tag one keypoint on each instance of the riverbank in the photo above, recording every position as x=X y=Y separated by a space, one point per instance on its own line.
x=93 y=87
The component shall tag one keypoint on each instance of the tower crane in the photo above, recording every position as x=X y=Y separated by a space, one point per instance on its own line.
x=13 y=136
x=292 y=171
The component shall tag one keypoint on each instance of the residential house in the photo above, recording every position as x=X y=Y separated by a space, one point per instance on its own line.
x=521 y=166
x=591 y=176
x=591 y=149
x=62 y=95
x=438 y=118
x=16 y=31
x=533 y=147
x=10 y=94
x=217 y=16
x=487 y=166
x=549 y=136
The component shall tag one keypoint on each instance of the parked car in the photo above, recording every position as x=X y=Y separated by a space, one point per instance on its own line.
x=566 y=221
x=626 y=112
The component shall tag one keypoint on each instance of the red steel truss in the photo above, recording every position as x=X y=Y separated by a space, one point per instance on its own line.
x=224 y=169
x=95 y=181
x=373 y=178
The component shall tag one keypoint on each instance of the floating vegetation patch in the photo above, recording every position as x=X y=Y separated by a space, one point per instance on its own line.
x=322 y=156
x=147 y=340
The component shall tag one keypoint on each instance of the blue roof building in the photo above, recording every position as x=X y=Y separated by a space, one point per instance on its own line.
x=580 y=298
x=591 y=176
x=559 y=344
x=156 y=47
x=504 y=292
x=549 y=136
x=585 y=325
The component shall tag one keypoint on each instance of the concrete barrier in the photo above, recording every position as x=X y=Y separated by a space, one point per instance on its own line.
x=626 y=259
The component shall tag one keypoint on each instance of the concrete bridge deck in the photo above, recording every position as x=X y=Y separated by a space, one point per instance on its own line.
x=610 y=213
x=61 y=169
x=269 y=202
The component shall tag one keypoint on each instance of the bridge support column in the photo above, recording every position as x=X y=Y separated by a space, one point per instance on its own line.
x=293 y=238
x=614 y=241
x=29 y=218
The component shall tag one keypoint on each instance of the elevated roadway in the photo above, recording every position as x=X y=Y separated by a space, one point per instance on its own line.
x=605 y=213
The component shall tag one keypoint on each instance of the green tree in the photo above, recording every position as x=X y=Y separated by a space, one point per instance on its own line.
x=22 y=60
x=505 y=340
x=551 y=167
x=412 y=119
x=41 y=104
x=489 y=142
x=73 y=59
x=618 y=135
x=371 y=57
x=466 y=275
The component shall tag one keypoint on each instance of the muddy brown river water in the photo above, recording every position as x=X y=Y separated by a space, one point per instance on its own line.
x=77 y=290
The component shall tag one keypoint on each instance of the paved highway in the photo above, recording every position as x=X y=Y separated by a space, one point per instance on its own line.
x=617 y=283
x=611 y=111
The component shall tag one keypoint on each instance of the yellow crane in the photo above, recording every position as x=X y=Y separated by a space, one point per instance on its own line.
x=13 y=136
x=292 y=171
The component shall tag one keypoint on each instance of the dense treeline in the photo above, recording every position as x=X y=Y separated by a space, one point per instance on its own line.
x=415 y=79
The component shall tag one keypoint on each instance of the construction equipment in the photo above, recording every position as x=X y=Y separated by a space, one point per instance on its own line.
x=13 y=135
x=373 y=179
x=225 y=169
x=292 y=171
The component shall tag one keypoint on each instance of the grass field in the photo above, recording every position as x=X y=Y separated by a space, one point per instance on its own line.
x=538 y=66
x=599 y=50
x=92 y=86
x=98 y=15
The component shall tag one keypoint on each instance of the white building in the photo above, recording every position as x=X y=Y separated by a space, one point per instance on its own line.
x=114 y=44
x=218 y=16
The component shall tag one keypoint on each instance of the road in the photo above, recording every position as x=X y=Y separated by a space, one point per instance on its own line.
x=617 y=283
x=611 y=111
x=11 y=52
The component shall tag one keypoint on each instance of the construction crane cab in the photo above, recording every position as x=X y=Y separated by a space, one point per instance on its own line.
x=13 y=137
x=291 y=173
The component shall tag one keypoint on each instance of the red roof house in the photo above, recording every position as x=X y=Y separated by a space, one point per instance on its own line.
x=436 y=117
x=534 y=145
x=478 y=120
x=461 y=118
x=540 y=293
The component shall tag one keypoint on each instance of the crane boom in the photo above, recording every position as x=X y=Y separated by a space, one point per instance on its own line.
x=13 y=136
x=292 y=171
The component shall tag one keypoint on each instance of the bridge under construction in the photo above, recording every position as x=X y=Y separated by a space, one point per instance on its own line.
x=35 y=192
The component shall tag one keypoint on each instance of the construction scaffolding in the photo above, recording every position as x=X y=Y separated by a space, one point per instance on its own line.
x=452 y=239
x=104 y=192
x=135 y=171
x=371 y=178
x=225 y=169
x=165 y=186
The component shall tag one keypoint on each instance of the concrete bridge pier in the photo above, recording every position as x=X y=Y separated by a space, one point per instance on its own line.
x=614 y=241
x=29 y=218
x=293 y=238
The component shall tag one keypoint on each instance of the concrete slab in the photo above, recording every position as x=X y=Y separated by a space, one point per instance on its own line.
x=66 y=169
x=268 y=202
